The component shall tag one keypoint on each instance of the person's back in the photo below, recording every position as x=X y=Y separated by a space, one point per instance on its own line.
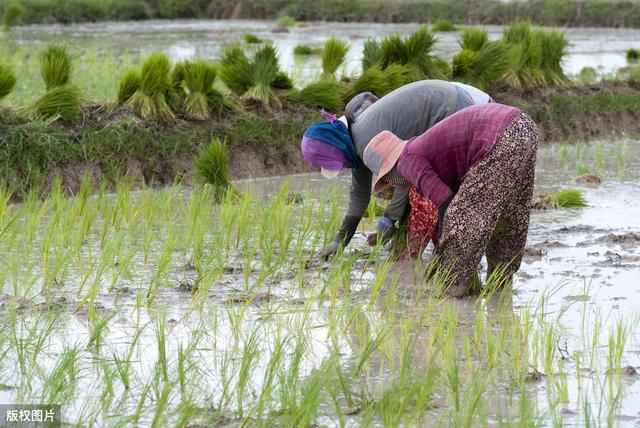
x=453 y=146
x=408 y=111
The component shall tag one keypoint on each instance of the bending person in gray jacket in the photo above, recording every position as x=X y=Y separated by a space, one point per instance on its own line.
x=339 y=143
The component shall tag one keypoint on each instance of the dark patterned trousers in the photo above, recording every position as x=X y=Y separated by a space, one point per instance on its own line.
x=498 y=187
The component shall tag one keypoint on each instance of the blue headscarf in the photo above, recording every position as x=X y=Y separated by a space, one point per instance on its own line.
x=336 y=134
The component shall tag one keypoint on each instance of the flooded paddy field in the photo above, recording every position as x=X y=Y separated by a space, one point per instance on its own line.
x=105 y=50
x=164 y=308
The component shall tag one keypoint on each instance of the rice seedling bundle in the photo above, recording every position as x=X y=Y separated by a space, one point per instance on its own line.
x=414 y=50
x=55 y=66
x=129 y=84
x=482 y=68
x=569 y=198
x=322 y=94
x=371 y=54
x=443 y=25
x=554 y=48
x=13 y=12
x=149 y=101
x=473 y=39
x=252 y=38
x=198 y=78
x=7 y=81
x=633 y=54
x=255 y=78
x=302 y=50
x=333 y=55
x=282 y=81
x=63 y=101
x=211 y=166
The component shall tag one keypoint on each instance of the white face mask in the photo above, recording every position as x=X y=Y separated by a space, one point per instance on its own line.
x=329 y=173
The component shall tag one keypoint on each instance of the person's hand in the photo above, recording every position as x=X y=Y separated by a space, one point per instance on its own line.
x=372 y=239
x=329 y=250
x=386 y=228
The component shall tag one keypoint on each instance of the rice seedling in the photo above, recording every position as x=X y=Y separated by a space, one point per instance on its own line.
x=13 y=13
x=633 y=54
x=211 y=165
x=128 y=86
x=64 y=102
x=334 y=53
x=473 y=39
x=284 y=22
x=195 y=84
x=554 y=47
x=322 y=94
x=149 y=101
x=413 y=50
x=588 y=76
x=251 y=39
x=569 y=198
x=55 y=66
x=253 y=79
x=306 y=50
x=371 y=54
x=7 y=81
x=482 y=68
x=443 y=26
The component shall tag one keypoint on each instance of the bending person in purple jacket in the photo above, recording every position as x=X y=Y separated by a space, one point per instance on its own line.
x=477 y=166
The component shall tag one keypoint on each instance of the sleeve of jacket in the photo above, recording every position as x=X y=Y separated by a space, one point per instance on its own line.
x=398 y=203
x=360 y=192
x=418 y=170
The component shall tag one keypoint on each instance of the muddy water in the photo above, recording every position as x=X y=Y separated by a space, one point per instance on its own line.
x=584 y=262
x=603 y=49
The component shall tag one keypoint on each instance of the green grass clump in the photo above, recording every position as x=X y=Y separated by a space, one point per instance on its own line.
x=55 y=66
x=252 y=38
x=13 y=13
x=322 y=94
x=211 y=166
x=7 y=81
x=64 y=102
x=251 y=78
x=443 y=25
x=333 y=55
x=150 y=100
x=569 y=198
x=414 y=50
x=633 y=54
x=128 y=85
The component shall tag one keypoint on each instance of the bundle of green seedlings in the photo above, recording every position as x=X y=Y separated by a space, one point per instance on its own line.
x=413 y=50
x=146 y=92
x=333 y=55
x=306 y=50
x=13 y=13
x=443 y=26
x=193 y=90
x=252 y=39
x=256 y=78
x=211 y=166
x=536 y=56
x=633 y=54
x=481 y=63
x=62 y=99
x=569 y=198
x=7 y=81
